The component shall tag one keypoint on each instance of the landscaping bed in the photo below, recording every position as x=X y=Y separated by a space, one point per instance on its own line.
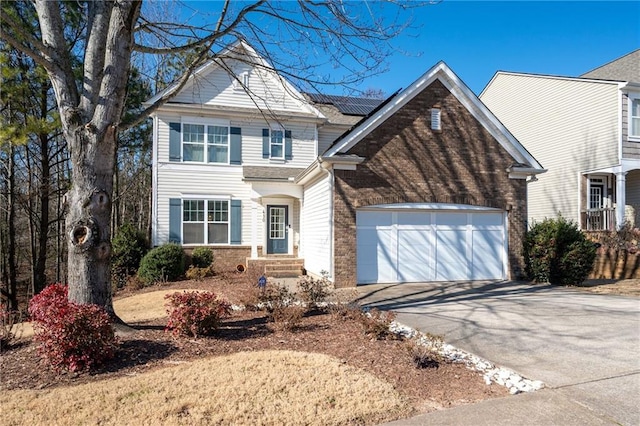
x=146 y=347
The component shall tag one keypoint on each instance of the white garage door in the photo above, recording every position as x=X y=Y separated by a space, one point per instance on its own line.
x=430 y=245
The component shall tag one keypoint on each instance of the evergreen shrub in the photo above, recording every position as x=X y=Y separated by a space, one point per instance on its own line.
x=557 y=252
x=164 y=263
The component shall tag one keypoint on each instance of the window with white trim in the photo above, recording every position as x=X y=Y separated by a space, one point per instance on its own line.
x=277 y=143
x=205 y=220
x=217 y=144
x=634 y=117
x=194 y=148
x=193 y=221
x=193 y=142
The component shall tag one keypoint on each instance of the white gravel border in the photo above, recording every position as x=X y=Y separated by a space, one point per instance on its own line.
x=490 y=372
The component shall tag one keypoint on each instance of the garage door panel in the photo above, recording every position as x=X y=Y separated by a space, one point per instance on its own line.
x=451 y=257
x=374 y=219
x=487 y=254
x=415 y=254
x=414 y=246
x=414 y=219
x=375 y=260
x=486 y=219
x=451 y=219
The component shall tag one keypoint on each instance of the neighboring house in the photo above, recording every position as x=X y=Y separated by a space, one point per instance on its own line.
x=586 y=131
x=425 y=186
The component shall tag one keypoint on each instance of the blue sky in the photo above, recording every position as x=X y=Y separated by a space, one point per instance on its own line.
x=478 y=38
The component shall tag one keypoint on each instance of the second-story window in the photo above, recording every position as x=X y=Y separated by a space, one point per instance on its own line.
x=277 y=144
x=193 y=142
x=218 y=144
x=194 y=148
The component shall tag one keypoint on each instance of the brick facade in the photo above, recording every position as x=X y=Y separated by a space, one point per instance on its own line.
x=225 y=259
x=407 y=162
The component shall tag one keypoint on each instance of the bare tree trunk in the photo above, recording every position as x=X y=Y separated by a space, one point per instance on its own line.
x=11 y=232
x=39 y=270
x=88 y=220
x=31 y=209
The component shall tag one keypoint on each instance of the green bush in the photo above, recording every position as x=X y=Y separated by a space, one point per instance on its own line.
x=557 y=252
x=202 y=257
x=128 y=248
x=164 y=263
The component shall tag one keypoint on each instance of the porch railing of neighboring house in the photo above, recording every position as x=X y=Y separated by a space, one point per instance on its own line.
x=599 y=219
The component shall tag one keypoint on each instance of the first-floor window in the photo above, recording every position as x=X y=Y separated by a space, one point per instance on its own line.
x=205 y=220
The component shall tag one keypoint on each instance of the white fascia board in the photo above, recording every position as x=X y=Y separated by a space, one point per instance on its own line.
x=233 y=113
x=488 y=120
x=401 y=99
x=464 y=95
x=428 y=206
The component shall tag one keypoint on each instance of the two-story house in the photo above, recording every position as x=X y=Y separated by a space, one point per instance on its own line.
x=586 y=131
x=427 y=185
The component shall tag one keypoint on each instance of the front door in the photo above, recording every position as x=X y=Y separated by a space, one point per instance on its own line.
x=277 y=230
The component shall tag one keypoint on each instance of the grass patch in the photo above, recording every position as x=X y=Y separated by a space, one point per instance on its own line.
x=143 y=307
x=258 y=388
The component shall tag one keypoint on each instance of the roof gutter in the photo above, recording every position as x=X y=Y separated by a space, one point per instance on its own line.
x=518 y=172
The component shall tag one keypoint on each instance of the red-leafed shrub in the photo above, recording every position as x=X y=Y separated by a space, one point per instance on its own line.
x=195 y=313
x=49 y=303
x=72 y=336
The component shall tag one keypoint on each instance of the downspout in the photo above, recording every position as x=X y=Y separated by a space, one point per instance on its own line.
x=328 y=169
x=154 y=183
x=331 y=224
x=620 y=177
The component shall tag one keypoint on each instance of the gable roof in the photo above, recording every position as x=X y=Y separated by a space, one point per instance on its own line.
x=624 y=68
x=465 y=96
x=241 y=51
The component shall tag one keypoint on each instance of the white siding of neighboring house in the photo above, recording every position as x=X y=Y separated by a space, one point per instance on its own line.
x=316 y=232
x=215 y=87
x=570 y=126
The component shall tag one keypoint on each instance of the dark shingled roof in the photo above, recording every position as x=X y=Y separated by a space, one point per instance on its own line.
x=625 y=68
x=346 y=104
x=270 y=173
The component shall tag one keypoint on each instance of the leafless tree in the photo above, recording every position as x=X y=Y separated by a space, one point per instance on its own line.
x=298 y=39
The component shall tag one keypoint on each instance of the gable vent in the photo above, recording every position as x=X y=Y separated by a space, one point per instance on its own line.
x=435 y=119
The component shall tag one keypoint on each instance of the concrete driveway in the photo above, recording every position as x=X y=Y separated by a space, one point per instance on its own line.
x=584 y=347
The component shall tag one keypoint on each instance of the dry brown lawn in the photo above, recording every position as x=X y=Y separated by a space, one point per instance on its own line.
x=250 y=388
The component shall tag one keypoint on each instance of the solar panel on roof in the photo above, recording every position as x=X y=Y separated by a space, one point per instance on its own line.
x=346 y=104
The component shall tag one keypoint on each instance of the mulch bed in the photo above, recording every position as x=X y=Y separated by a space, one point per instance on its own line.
x=148 y=347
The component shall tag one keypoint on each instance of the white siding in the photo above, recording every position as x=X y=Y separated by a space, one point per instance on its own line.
x=303 y=135
x=327 y=135
x=570 y=126
x=316 y=232
x=177 y=180
x=215 y=87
